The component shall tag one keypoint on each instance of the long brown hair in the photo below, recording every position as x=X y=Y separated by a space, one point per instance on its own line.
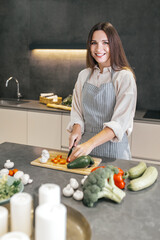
x=118 y=58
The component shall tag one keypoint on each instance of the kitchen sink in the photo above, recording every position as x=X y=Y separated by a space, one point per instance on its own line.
x=12 y=102
x=152 y=114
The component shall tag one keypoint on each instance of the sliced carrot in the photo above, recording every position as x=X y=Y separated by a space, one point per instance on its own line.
x=15 y=170
x=58 y=156
x=62 y=161
x=55 y=160
x=11 y=172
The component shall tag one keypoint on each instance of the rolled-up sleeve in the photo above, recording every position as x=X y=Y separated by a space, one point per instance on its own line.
x=124 y=111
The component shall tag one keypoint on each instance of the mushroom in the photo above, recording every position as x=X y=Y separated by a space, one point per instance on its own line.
x=30 y=181
x=18 y=174
x=25 y=178
x=44 y=156
x=9 y=164
x=68 y=191
x=78 y=195
x=83 y=179
x=4 y=171
x=43 y=159
x=74 y=184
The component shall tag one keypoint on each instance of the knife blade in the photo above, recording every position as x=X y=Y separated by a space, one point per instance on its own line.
x=70 y=151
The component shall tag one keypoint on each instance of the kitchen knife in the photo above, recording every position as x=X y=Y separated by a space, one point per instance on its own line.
x=70 y=151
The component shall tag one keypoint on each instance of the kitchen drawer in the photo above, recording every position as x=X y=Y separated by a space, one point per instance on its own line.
x=13 y=126
x=44 y=130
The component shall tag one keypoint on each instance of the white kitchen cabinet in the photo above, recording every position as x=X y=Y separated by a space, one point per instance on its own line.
x=44 y=129
x=13 y=126
x=48 y=130
x=65 y=133
x=146 y=141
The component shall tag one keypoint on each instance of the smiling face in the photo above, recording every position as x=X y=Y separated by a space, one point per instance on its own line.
x=99 y=49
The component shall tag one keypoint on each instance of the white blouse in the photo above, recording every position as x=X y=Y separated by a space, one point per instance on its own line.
x=126 y=97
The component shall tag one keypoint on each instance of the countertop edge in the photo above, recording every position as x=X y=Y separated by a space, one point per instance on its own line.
x=35 y=105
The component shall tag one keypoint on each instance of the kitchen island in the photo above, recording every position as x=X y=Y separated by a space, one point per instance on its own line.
x=34 y=120
x=136 y=217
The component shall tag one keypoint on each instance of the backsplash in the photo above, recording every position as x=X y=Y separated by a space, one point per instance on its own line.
x=23 y=22
x=55 y=71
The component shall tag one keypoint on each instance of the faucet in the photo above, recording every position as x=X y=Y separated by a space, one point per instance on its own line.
x=18 y=93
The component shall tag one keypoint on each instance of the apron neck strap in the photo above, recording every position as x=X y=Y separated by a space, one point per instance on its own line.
x=89 y=75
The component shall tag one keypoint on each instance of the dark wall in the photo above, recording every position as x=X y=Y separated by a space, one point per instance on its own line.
x=68 y=22
x=14 y=60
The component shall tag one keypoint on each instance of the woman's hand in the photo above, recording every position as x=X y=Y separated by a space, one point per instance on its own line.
x=85 y=148
x=75 y=136
x=81 y=150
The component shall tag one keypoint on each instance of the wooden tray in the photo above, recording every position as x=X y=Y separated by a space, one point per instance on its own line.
x=46 y=100
x=59 y=106
x=58 y=166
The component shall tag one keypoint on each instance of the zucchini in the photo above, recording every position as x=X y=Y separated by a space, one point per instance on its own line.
x=81 y=162
x=146 y=180
x=137 y=171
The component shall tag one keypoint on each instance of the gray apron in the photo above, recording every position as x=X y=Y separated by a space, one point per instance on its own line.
x=98 y=106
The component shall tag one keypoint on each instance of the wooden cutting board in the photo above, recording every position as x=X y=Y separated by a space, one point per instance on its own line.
x=59 y=106
x=58 y=166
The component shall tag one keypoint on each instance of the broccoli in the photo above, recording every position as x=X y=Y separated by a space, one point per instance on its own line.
x=100 y=184
x=7 y=191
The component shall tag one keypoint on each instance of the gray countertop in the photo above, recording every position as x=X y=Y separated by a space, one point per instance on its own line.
x=35 y=105
x=139 y=117
x=136 y=217
x=29 y=105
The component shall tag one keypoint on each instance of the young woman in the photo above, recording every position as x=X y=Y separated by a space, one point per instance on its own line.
x=104 y=98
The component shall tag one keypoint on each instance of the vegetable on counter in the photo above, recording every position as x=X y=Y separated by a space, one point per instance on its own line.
x=78 y=195
x=67 y=101
x=119 y=178
x=9 y=164
x=72 y=189
x=74 y=183
x=59 y=159
x=147 y=179
x=11 y=173
x=18 y=174
x=137 y=171
x=100 y=184
x=83 y=180
x=7 y=191
x=44 y=156
x=68 y=191
x=97 y=168
x=25 y=178
x=81 y=162
x=4 y=171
